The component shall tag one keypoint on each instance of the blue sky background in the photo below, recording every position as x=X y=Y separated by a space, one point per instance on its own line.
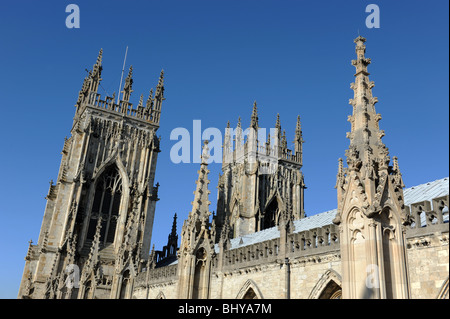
x=292 y=57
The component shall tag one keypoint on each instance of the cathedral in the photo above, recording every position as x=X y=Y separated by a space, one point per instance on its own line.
x=383 y=241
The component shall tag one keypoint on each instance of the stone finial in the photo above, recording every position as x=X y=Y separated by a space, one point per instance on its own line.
x=99 y=58
x=174 y=225
x=205 y=153
x=127 y=89
x=254 y=119
x=298 y=130
x=141 y=101
x=284 y=140
x=160 y=87
x=161 y=78
x=360 y=39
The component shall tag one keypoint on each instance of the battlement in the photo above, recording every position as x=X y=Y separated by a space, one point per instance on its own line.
x=124 y=108
x=157 y=276
x=254 y=144
x=89 y=96
x=260 y=150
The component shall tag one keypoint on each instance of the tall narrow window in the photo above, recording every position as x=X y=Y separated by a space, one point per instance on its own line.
x=270 y=215
x=107 y=197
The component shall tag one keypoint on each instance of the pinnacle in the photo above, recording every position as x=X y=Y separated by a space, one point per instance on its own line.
x=99 y=58
x=299 y=126
x=141 y=100
x=254 y=119
x=360 y=39
x=205 y=152
x=161 y=78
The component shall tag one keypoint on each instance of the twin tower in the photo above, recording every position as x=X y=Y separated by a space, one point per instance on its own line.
x=97 y=226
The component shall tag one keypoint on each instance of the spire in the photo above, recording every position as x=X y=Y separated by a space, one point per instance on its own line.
x=91 y=81
x=174 y=225
x=365 y=136
x=149 y=102
x=98 y=64
x=298 y=129
x=96 y=73
x=172 y=243
x=298 y=142
x=141 y=101
x=159 y=97
x=200 y=205
x=238 y=134
x=254 y=119
x=340 y=175
x=277 y=136
x=127 y=88
x=283 y=140
x=227 y=152
x=160 y=87
x=370 y=199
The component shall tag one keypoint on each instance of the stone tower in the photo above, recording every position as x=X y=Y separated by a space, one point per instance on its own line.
x=261 y=178
x=97 y=225
x=371 y=212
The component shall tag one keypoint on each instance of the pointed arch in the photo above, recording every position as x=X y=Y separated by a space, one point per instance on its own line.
x=112 y=160
x=249 y=291
x=160 y=295
x=272 y=211
x=328 y=286
x=106 y=202
x=201 y=274
x=443 y=292
x=125 y=286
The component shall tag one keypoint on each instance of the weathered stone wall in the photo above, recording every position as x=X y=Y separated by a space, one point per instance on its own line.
x=268 y=281
x=428 y=261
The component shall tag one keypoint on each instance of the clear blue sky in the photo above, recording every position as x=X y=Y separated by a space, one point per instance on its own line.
x=292 y=57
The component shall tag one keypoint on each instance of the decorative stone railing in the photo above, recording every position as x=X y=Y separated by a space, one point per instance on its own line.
x=314 y=241
x=156 y=275
x=271 y=152
x=428 y=216
x=124 y=107
x=259 y=253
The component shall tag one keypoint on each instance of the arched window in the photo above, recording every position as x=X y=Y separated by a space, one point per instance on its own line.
x=250 y=294
x=270 y=215
x=200 y=281
x=107 y=197
x=125 y=284
x=87 y=290
x=331 y=291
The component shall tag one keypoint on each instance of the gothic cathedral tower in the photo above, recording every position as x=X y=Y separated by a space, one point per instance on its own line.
x=97 y=225
x=261 y=180
x=371 y=213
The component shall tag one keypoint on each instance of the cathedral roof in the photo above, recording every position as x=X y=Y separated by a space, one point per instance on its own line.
x=427 y=191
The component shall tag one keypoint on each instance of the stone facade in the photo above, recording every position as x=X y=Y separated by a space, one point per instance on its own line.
x=382 y=241
x=98 y=220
